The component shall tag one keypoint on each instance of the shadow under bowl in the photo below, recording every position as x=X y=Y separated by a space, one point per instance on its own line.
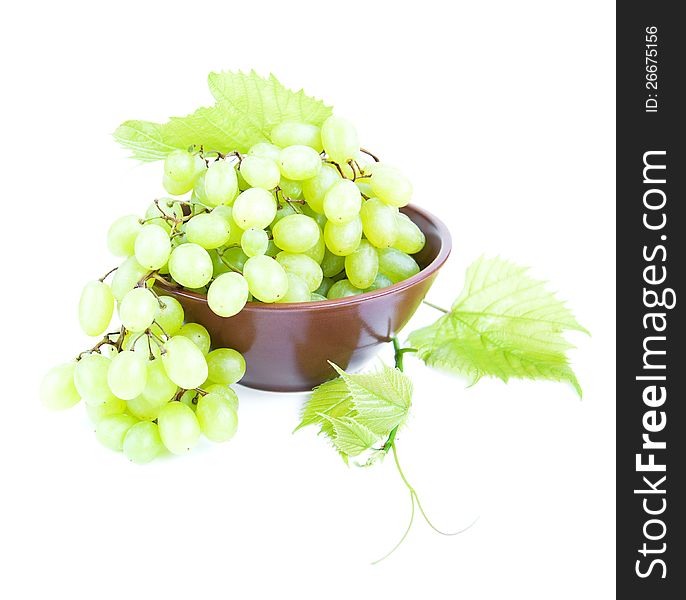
x=287 y=346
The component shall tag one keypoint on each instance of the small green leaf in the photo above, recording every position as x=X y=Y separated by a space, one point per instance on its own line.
x=350 y=437
x=504 y=324
x=382 y=399
x=248 y=107
x=331 y=398
x=356 y=411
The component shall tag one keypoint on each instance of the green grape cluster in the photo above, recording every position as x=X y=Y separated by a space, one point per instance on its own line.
x=155 y=385
x=309 y=216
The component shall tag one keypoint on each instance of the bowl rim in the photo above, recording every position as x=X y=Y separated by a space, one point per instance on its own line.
x=425 y=273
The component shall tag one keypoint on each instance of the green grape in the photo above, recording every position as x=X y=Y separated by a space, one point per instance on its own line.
x=391 y=186
x=291 y=133
x=291 y=189
x=342 y=289
x=225 y=392
x=158 y=390
x=125 y=278
x=184 y=362
x=121 y=236
x=267 y=279
x=235 y=257
x=260 y=172
x=208 y=230
x=142 y=443
x=242 y=183
x=297 y=291
x=169 y=316
x=254 y=241
x=225 y=213
x=340 y=140
x=343 y=238
x=183 y=168
x=137 y=309
x=283 y=211
x=110 y=431
x=175 y=188
x=225 y=365
x=324 y=286
x=315 y=188
x=298 y=163
x=342 y=202
x=96 y=306
x=127 y=375
x=190 y=265
x=409 y=238
x=217 y=418
x=265 y=150
x=362 y=266
x=380 y=281
x=190 y=399
x=379 y=222
x=235 y=232
x=254 y=208
x=57 y=390
x=113 y=406
x=228 y=294
x=197 y=334
x=314 y=297
x=303 y=266
x=90 y=379
x=365 y=187
x=219 y=267
x=316 y=252
x=296 y=233
x=152 y=247
x=219 y=185
x=332 y=264
x=319 y=218
x=178 y=427
x=272 y=249
x=396 y=265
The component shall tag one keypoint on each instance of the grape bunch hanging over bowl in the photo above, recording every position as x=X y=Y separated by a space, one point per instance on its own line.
x=306 y=216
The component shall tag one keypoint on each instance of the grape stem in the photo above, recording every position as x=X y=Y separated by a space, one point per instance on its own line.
x=106 y=275
x=156 y=322
x=368 y=153
x=335 y=164
x=443 y=310
x=120 y=340
x=103 y=342
x=161 y=279
x=351 y=163
x=290 y=201
x=390 y=445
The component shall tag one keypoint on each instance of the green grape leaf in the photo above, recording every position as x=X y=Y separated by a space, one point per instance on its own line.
x=356 y=411
x=504 y=324
x=382 y=399
x=265 y=102
x=331 y=399
x=247 y=108
x=350 y=437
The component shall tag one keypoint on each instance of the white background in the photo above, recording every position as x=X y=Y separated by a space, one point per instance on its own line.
x=503 y=115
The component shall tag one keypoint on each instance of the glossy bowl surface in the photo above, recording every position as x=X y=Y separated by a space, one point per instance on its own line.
x=287 y=346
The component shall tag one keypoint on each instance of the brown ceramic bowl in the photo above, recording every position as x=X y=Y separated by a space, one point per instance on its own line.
x=287 y=346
